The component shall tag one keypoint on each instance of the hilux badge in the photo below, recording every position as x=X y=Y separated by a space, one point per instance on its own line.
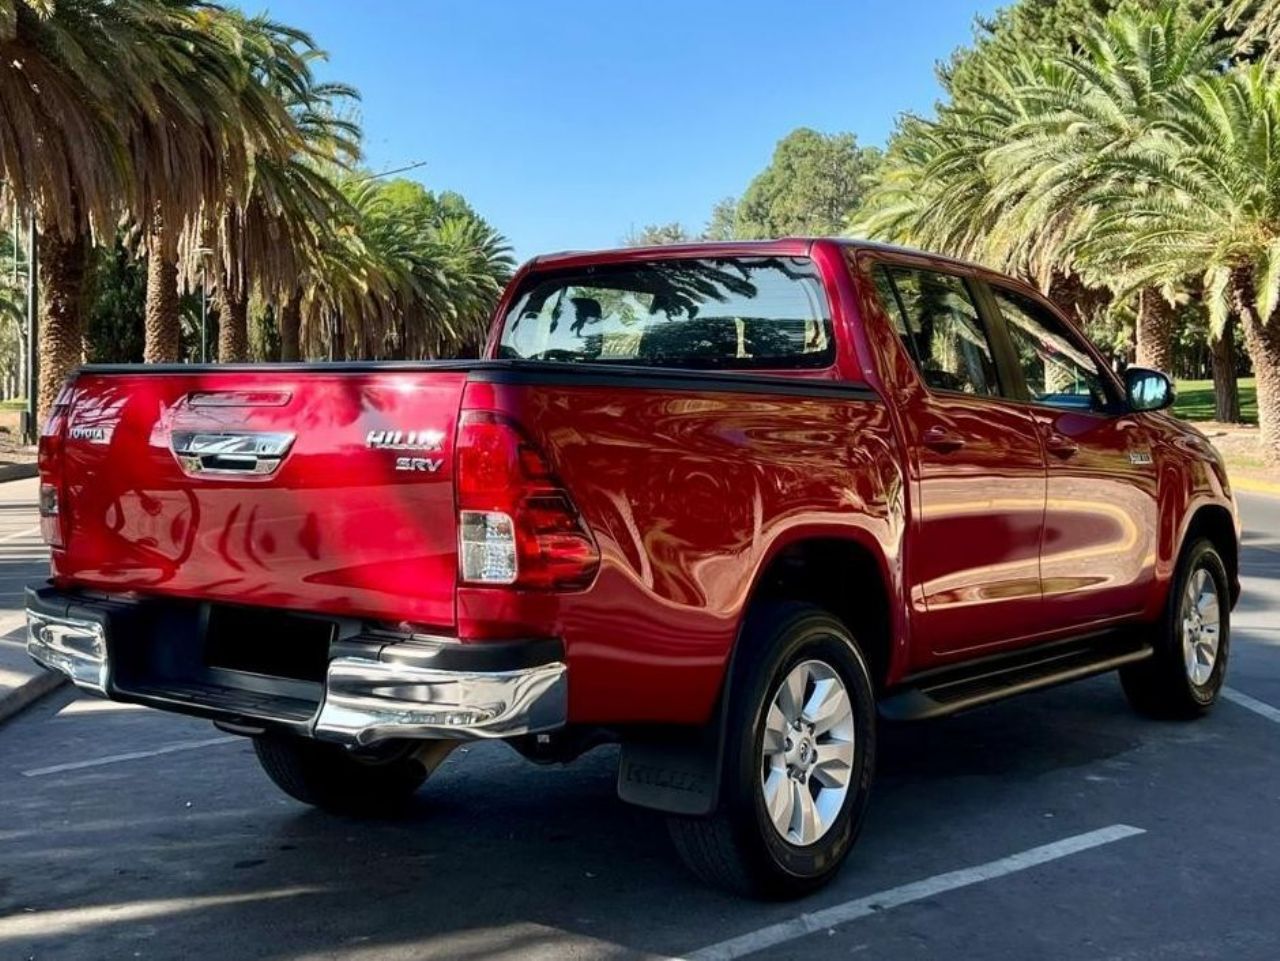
x=425 y=441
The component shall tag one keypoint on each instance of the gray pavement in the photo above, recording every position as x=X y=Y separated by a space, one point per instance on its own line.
x=1055 y=826
x=23 y=558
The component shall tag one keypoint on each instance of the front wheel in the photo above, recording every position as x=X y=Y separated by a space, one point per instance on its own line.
x=799 y=759
x=1192 y=641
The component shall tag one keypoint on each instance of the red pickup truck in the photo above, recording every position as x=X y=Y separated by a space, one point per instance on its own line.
x=724 y=505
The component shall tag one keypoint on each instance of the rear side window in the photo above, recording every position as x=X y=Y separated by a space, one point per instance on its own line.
x=941 y=328
x=740 y=312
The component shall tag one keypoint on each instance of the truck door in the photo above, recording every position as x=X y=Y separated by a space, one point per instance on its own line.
x=978 y=469
x=1098 y=555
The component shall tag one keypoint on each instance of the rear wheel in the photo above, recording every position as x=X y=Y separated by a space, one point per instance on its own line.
x=1191 y=643
x=330 y=777
x=799 y=759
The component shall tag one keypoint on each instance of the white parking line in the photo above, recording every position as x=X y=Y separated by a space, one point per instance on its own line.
x=807 y=924
x=68 y=921
x=18 y=535
x=131 y=756
x=1252 y=704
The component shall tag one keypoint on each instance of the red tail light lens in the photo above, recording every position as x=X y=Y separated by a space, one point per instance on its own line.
x=49 y=460
x=516 y=523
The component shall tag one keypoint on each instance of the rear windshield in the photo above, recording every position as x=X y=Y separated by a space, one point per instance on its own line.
x=738 y=312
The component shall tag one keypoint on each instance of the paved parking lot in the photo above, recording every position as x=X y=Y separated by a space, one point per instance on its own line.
x=1057 y=826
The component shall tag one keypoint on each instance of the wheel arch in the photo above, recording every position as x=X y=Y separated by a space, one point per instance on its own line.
x=820 y=567
x=1217 y=524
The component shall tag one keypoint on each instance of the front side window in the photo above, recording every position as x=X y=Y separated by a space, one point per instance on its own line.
x=731 y=313
x=1057 y=371
x=942 y=330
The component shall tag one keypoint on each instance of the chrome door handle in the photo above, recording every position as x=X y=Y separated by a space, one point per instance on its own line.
x=942 y=440
x=1060 y=445
x=230 y=452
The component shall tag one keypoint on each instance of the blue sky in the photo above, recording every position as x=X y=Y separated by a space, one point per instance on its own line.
x=566 y=122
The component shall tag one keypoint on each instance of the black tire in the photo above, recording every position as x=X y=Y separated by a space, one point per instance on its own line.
x=1162 y=686
x=330 y=777
x=738 y=848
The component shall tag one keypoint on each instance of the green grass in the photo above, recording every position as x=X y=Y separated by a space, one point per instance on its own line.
x=1195 y=400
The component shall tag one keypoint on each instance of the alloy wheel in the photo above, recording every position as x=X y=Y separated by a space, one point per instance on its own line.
x=808 y=752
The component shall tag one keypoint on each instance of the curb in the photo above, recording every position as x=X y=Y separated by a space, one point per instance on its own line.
x=1252 y=486
x=10 y=472
x=28 y=692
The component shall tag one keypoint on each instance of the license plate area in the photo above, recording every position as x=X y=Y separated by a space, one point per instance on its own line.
x=267 y=642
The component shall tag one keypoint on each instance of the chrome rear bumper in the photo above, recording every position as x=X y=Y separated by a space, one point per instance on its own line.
x=367 y=701
x=72 y=647
x=385 y=690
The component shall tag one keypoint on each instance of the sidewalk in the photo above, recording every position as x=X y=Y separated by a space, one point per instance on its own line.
x=23 y=559
x=21 y=679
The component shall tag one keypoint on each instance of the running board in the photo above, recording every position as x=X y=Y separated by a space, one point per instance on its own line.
x=944 y=691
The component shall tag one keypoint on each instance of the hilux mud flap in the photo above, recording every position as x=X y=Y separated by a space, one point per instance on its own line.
x=677 y=770
x=680 y=775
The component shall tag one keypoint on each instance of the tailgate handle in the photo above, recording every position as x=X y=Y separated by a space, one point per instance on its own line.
x=230 y=452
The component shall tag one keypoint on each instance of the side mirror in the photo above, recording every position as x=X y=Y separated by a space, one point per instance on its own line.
x=1148 y=389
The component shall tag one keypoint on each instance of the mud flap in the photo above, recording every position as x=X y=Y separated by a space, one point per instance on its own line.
x=669 y=777
x=677 y=771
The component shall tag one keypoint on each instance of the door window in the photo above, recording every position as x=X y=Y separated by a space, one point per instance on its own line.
x=939 y=323
x=1057 y=370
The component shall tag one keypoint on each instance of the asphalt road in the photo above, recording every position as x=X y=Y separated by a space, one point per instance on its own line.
x=1056 y=826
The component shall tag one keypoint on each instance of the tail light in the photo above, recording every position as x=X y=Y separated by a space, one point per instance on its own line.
x=516 y=524
x=50 y=462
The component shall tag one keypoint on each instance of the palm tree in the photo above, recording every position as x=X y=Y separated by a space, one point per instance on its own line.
x=266 y=237
x=1087 y=113
x=937 y=187
x=1203 y=197
x=1259 y=24
x=477 y=264
x=100 y=116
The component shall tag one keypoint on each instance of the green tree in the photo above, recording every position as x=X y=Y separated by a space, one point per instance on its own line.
x=812 y=186
x=405 y=273
x=723 y=223
x=659 y=235
x=1203 y=198
x=115 y=332
x=101 y=118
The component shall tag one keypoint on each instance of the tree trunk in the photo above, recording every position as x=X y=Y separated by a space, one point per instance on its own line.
x=163 y=331
x=1262 y=339
x=1155 y=331
x=291 y=328
x=62 y=269
x=337 y=345
x=233 y=328
x=1080 y=301
x=1226 y=387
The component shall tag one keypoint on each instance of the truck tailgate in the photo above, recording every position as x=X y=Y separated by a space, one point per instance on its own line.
x=307 y=490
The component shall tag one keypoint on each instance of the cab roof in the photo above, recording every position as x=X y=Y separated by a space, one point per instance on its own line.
x=783 y=247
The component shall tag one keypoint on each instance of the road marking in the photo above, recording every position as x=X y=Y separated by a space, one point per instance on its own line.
x=1252 y=704
x=95 y=705
x=807 y=924
x=18 y=535
x=12 y=622
x=68 y=921
x=131 y=756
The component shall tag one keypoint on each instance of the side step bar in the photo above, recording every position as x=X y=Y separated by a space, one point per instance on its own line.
x=947 y=690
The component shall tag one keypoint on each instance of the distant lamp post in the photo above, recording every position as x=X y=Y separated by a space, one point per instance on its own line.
x=32 y=431
x=205 y=253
